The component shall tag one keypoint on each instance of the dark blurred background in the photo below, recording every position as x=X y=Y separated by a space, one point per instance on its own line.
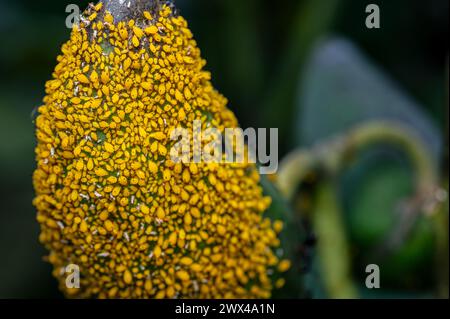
x=309 y=67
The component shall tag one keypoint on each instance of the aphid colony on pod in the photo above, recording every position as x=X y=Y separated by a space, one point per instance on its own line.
x=108 y=196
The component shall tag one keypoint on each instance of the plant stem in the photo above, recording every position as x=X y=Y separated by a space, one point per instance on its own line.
x=293 y=169
x=332 y=245
x=124 y=10
x=399 y=136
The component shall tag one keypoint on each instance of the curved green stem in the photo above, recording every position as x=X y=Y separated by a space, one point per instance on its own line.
x=332 y=246
x=293 y=169
x=334 y=155
x=398 y=136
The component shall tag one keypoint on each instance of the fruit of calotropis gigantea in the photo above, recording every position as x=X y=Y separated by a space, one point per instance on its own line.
x=109 y=197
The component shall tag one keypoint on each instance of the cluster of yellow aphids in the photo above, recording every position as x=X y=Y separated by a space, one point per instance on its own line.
x=108 y=196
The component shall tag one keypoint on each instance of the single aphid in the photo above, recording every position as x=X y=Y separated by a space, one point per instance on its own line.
x=109 y=197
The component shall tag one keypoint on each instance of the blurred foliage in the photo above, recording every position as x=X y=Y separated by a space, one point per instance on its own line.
x=340 y=82
x=273 y=61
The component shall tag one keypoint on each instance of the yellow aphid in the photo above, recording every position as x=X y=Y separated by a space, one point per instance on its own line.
x=193 y=168
x=162 y=149
x=127 y=277
x=123 y=33
x=187 y=93
x=109 y=226
x=83 y=118
x=59 y=115
x=90 y=164
x=195 y=212
x=144 y=209
x=67 y=155
x=148 y=285
x=105 y=77
x=186 y=261
x=92 y=16
x=152 y=167
x=181 y=115
x=167 y=175
x=109 y=18
x=157 y=251
x=278 y=226
x=96 y=103
x=104 y=215
x=179 y=96
x=101 y=172
x=83 y=78
x=140 y=174
x=134 y=93
x=142 y=132
x=158 y=136
x=146 y=86
x=123 y=201
x=98 y=6
x=138 y=32
x=162 y=89
x=112 y=292
x=115 y=98
x=284 y=265
x=127 y=62
x=160 y=213
x=93 y=77
x=221 y=230
x=151 y=30
x=83 y=226
x=135 y=41
x=80 y=165
x=109 y=147
x=74 y=195
x=183 y=275
x=147 y=15
x=75 y=100
x=280 y=283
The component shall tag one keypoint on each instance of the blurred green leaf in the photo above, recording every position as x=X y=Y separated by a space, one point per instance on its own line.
x=341 y=88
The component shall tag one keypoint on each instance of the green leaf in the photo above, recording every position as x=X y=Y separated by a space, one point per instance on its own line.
x=341 y=88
